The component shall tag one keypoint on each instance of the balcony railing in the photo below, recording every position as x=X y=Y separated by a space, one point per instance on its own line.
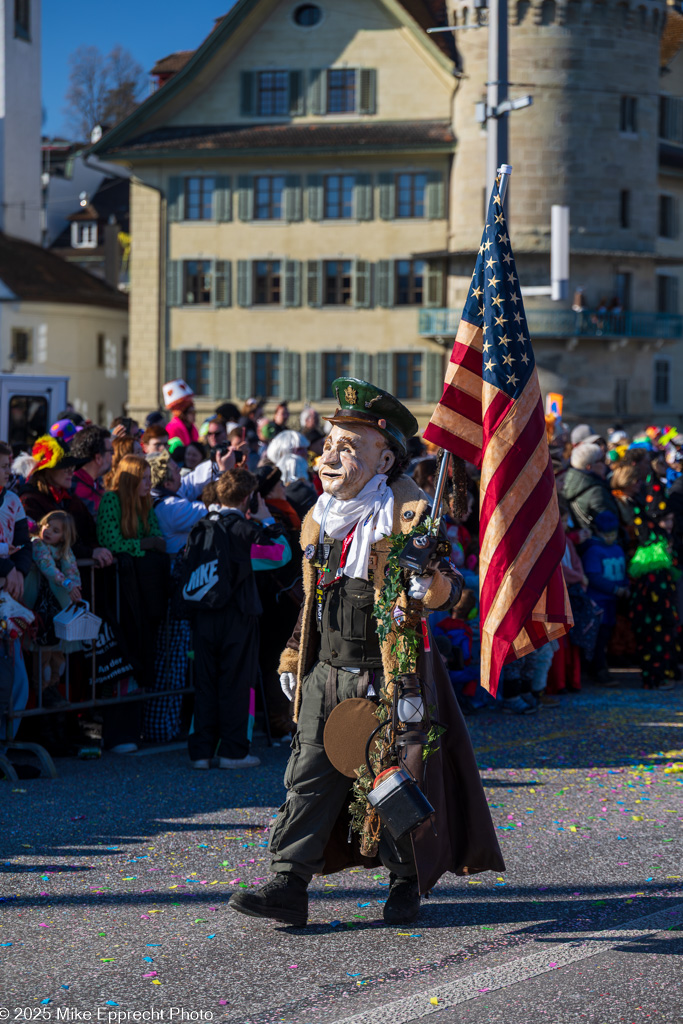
x=565 y=323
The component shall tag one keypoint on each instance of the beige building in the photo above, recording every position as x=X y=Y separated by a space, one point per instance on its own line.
x=58 y=319
x=284 y=175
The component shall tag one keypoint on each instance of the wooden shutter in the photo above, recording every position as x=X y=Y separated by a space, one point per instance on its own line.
x=222 y=198
x=297 y=99
x=244 y=378
x=174 y=364
x=291 y=293
x=314 y=280
x=176 y=199
x=293 y=201
x=245 y=190
x=387 y=195
x=363 y=197
x=361 y=284
x=361 y=365
x=316 y=198
x=247 y=93
x=314 y=376
x=174 y=283
x=367 y=91
x=433 y=295
x=291 y=376
x=219 y=375
x=385 y=283
x=432 y=376
x=435 y=205
x=384 y=370
x=317 y=91
x=244 y=281
x=222 y=283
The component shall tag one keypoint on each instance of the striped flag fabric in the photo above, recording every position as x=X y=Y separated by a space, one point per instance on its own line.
x=491 y=414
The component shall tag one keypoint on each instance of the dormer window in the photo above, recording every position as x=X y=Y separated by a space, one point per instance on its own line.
x=84 y=234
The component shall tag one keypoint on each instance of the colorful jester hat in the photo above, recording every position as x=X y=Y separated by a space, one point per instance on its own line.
x=48 y=453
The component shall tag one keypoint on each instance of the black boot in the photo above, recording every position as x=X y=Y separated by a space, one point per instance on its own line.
x=284 y=899
x=403 y=904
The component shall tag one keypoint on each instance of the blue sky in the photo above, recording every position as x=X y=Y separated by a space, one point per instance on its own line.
x=148 y=28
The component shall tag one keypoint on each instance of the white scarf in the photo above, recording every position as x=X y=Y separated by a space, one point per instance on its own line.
x=372 y=509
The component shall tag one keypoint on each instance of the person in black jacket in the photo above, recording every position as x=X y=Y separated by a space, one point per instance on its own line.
x=226 y=637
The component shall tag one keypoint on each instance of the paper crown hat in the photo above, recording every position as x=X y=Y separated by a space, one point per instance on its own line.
x=176 y=391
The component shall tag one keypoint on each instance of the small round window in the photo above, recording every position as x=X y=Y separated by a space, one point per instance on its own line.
x=307 y=15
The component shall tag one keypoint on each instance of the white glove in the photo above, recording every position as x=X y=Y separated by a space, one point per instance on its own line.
x=419 y=585
x=288 y=684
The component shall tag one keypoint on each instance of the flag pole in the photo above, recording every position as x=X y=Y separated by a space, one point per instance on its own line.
x=504 y=172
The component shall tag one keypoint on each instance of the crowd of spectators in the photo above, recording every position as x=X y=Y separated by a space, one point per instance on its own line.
x=104 y=515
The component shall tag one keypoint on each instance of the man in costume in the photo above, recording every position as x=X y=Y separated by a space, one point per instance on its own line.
x=336 y=654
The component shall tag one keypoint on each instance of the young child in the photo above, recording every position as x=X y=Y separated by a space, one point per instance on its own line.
x=15 y=565
x=59 y=586
x=604 y=563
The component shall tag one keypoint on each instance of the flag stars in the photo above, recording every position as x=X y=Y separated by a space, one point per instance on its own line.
x=524 y=358
x=508 y=359
x=507 y=258
x=503 y=239
x=487 y=245
x=499 y=218
x=494 y=281
x=500 y=320
x=504 y=340
x=490 y=263
x=513 y=380
x=511 y=278
x=477 y=292
x=496 y=300
x=489 y=366
x=514 y=298
x=521 y=339
x=486 y=346
x=518 y=318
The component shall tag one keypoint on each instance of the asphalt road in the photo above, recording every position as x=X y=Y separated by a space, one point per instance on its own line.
x=115 y=880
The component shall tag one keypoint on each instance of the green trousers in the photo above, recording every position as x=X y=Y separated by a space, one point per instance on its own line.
x=316 y=791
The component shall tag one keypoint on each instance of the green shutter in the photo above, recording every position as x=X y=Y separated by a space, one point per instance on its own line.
x=363 y=197
x=176 y=199
x=314 y=376
x=243 y=376
x=435 y=205
x=384 y=371
x=361 y=365
x=385 y=283
x=219 y=375
x=314 y=280
x=222 y=199
x=432 y=376
x=293 y=200
x=387 y=195
x=290 y=363
x=247 y=93
x=361 y=284
x=367 y=91
x=245 y=190
x=174 y=283
x=315 y=189
x=297 y=99
x=317 y=91
x=222 y=283
x=244 y=280
x=291 y=293
x=174 y=364
x=433 y=295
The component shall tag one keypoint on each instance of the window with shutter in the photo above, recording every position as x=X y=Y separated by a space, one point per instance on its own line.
x=176 y=199
x=292 y=290
x=314 y=274
x=174 y=283
x=368 y=91
x=409 y=282
x=174 y=364
x=245 y=191
x=436 y=206
x=199 y=198
x=384 y=371
x=434 y=292
x=363 y=197
x=314 y=372
x=197 y=370
x=222 y=198
x=408 y=375
x=291 y=376
x=335 y=364
x=315 y=196
x=361 y=365
x=222 y=283
x=244 y=382
x=267 y=370
x=244 y=282
x=219 y=378
x=434 y=376
x=317 y=91
x=247 y=93
x=387 y=195
x=293 y=200
x=385 y=283
x=297 y=99
x=362 y=296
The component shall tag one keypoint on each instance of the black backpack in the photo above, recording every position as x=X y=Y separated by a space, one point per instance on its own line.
x=207 y=573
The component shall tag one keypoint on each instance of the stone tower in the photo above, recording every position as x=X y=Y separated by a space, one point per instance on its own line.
x=20 y=119
x=590 y=141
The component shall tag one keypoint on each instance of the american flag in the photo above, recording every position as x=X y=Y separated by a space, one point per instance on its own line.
x=491 y=414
